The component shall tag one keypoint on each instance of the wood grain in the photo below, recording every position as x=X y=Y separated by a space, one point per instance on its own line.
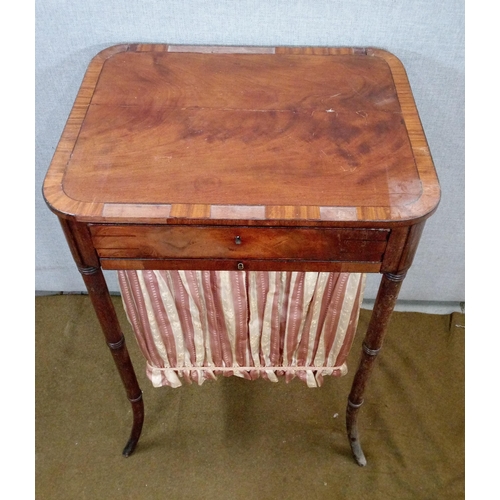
x=220 y=242
x=317 y=134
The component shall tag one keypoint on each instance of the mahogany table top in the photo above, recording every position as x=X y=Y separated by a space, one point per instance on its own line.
x=169 y=134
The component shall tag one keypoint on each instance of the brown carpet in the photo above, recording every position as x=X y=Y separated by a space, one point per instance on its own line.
x=234 y=439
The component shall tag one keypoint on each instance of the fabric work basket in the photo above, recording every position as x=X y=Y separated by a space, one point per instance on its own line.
x=195 y=325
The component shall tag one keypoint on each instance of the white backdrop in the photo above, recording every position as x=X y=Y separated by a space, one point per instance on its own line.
x=427 y=36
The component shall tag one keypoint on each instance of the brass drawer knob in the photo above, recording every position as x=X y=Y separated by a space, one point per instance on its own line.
x=237 y=240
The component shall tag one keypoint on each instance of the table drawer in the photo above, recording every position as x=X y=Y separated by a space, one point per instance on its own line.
x=228 y=242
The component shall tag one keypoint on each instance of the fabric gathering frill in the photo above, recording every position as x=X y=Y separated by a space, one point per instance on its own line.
x=196 y=325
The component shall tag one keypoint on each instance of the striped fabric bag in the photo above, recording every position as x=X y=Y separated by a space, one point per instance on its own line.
x=195 y=325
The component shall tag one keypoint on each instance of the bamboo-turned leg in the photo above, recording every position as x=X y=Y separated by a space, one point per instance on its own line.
x=101 y=300
x=384 y=305
x=83 y=251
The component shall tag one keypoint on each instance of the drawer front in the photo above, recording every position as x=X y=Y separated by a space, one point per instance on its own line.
x=228 y=242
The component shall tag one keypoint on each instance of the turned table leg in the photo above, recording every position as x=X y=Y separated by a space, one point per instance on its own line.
x=101 y=300
x=89 y=267
x=384 y=305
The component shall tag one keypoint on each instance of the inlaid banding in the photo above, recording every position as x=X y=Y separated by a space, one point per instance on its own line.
x=370 y=352
x=137 y=399
x=354 y=405
x=88 y=270
x=117 y=345
x=220 y=49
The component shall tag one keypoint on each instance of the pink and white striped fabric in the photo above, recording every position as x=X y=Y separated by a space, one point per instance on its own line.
x=199 y=324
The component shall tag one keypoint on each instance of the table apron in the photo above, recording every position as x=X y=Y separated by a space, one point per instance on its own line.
x=234 y=265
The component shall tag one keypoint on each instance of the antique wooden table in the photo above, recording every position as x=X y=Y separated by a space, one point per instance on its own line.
x=306 y=159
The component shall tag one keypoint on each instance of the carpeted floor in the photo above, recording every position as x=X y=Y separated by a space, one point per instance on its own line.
x=234 y=439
